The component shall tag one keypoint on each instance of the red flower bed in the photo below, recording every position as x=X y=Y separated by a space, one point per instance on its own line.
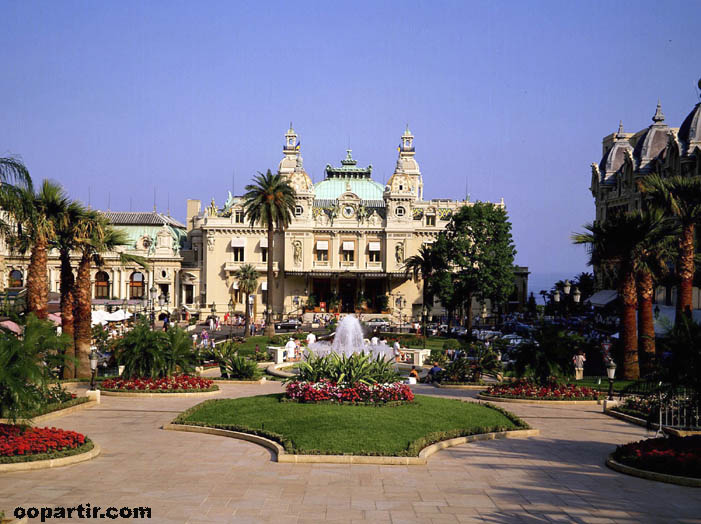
x=526 y=389
x=19 y=440
x=175 y=384
x=674 y=455
x=358 y=393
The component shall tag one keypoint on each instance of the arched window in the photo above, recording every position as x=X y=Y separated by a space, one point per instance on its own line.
x=16 y=278
x=102 y=285
x=136 y=285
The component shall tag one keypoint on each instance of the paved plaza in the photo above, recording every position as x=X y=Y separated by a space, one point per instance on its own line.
x=186 y=477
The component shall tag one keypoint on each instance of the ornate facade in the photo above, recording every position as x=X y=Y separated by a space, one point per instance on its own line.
x=346 y=245
x=629 y=157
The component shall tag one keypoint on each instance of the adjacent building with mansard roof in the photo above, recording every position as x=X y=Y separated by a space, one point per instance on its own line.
x=629 y=157
x=347 y=242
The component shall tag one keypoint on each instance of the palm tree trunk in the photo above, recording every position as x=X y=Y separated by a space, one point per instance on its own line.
x=67 y=305
x=83 y=317
x=686 y=271
x=247 y=315
x=631 y=367
x=269 y=327
x=37 y=285
x=645 y=319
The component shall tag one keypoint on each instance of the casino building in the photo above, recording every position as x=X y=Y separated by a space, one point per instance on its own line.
x=345 y=247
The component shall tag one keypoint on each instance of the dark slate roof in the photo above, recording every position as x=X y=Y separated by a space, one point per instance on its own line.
x=140 y=218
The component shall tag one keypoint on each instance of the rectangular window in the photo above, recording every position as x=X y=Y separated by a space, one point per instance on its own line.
x=238 y=254
x=237 y=296
x=322 y=255
x=189 y=294
x=348 y=256
x=430 y=220
x=238 y=216
x=264 y=254
x=374 y=256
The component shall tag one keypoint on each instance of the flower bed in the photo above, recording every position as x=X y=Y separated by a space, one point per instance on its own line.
x=175 y=384
x=679 y=456
x=358 y=393
x=525 y=389
x=22 y=443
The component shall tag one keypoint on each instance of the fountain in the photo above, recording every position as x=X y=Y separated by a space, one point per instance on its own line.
x=348 y=339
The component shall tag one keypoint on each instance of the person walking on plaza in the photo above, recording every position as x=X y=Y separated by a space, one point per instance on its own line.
x=311 y=338
x=578 y=361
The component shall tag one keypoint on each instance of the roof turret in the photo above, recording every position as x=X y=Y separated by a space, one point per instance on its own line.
x=690 y=130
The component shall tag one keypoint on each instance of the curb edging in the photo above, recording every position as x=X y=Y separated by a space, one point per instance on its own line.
x=58 y=413
x=469 y=387
x=159 y=395
x=651 y=475
x=541 y=402
x=282 y=457
x=51 y=463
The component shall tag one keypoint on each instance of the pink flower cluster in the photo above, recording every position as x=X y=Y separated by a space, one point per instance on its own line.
x=16 y=440
x=327 y=391
x=549 y=391
x=175 y=383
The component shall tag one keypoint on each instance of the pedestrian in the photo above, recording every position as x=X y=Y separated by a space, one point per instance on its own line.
x=311 y=338
x=578 y=361
x=433 y=372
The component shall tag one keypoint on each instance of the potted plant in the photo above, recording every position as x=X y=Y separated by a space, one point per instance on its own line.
x=381 y=302
x=311 y=303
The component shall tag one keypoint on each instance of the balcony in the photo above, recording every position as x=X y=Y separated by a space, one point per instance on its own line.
x=260 y=266
x=322 y=263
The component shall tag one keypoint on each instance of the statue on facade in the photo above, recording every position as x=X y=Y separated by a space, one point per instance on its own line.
x=399 y=252
x=213 y=209
x=210 y=243
x=297 y=245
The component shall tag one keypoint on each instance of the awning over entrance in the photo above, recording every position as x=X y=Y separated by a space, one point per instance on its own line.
x=264 y=286
x=235 y=285
x=602 y=298
x=373 y=246
x=348 y=246
x=238 y=242
x=322 y=245
x=263 y=242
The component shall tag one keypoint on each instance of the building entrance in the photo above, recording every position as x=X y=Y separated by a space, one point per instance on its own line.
x=348 y=290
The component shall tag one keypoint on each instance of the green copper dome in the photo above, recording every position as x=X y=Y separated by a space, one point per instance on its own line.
x=332 y=188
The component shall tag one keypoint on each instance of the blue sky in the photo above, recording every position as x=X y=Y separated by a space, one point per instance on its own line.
x=513 y=98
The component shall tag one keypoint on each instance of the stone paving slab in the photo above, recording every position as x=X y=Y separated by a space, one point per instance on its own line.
x=187 y=477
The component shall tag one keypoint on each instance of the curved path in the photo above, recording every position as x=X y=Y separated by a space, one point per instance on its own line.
x=187 y=477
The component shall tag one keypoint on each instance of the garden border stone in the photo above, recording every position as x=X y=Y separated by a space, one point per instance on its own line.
x=159 y=395
x=541 y=402
x=643 y=423
x=273 y=370
x=58 y=413
x=651 y=475
x=234 y=381
x=283 y=457
x=471 y=387
x=51 y=463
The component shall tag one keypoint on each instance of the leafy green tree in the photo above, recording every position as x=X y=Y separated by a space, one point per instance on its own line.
x=247 y=278
x=179 y=356
x=422 y=265
x=269 y=201
x=679 y=197
x=477 y=246
x=23 y=375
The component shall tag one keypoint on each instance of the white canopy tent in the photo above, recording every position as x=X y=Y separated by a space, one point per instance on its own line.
x=602 y=298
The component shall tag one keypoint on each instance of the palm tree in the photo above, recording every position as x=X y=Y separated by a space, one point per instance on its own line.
x=37 y=216
x=679 y=197
x=422 y=265
x=66 y=243
x=94 y=236
x=247 y=279
x=621 y=244
x=269 y=201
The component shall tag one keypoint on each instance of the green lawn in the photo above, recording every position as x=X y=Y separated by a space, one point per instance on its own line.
x=328 y=429
x=591 y=382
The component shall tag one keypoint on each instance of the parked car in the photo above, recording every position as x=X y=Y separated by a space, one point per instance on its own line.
x=288 y=325
x=377 y=324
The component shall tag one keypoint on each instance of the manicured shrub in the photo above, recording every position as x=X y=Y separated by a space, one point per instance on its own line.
x=355 y=393
x=340 y=368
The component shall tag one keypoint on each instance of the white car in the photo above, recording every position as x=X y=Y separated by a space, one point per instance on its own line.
x=377 y=324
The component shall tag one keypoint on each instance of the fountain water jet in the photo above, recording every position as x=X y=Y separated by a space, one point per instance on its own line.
x=348 y=340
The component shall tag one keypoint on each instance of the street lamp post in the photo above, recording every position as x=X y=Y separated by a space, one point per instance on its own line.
x=483 y=315
x=153 y=294
x=611 y=372
x=231 y=316
x=93 y=368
